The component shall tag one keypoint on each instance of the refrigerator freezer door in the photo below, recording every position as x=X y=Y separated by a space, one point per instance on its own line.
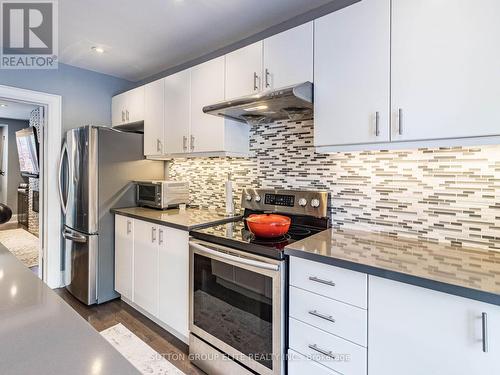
x=82 y=200
x=81 y=265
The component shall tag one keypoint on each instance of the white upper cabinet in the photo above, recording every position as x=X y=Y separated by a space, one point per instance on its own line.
x=445 y=69
x=416 y=331
x=154 y=118
x=244 y=71
x=352 y=75
x=128 y=107
x=177 y=112
x=207 y=87
x=118 y=104
x=288 y=57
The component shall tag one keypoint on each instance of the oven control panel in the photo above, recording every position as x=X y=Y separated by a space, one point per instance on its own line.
x=279 y=200
x=298 y=202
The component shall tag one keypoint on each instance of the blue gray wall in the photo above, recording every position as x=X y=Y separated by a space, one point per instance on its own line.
x=86 y=95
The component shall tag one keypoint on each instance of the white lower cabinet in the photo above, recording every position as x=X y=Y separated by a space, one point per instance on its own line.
x=152 y=271
x=174 y=279
x=300 y=365
x=146 y=266
x=416 y=331
x=327 y=319
x=337 y=318
x=124 y=256
x=329 y=350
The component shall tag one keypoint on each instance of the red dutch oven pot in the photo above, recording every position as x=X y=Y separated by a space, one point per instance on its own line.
x=268 y=225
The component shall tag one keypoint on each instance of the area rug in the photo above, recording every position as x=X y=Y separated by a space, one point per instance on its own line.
x=22 y=244
x=140 y=354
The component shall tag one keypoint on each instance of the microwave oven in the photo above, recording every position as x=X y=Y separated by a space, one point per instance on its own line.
x=162 y=193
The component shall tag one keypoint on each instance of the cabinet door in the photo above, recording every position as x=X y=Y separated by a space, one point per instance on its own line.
x=174 y=279
x=118 y=109
x=177 y=115
x=288 y=57
x=244 y=71
x=134 y=110
x=146 y=266
x=207 y=87
x=445 y=61
x=415 y=331
x=352 y=75
x=124 y=256
x=154 y=94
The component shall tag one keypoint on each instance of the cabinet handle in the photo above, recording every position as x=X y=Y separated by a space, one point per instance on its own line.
x=128 y=119
x=153 y=234
x=325 y=352
x=160 y=236
x=255 y=78
x=184 y=143
x=158 y=145
x=267 y=78
x=321 y=281
x=377 y=124
x=123 y=116
x=322 y=316
x=129 y=227
x=192 y=142
x=485 y=332
x=400 y=121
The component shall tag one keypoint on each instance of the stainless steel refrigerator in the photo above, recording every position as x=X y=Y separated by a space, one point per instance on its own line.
x=96 y=171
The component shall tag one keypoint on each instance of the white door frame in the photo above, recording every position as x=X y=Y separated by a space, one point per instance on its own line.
x=50 y=229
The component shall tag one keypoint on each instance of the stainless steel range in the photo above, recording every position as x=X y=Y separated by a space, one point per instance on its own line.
x=238 y=284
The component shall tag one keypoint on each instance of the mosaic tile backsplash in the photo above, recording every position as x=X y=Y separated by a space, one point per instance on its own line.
x=447 y=195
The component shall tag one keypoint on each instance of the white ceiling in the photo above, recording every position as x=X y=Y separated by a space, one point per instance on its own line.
x=16 y=110
x=142 y=38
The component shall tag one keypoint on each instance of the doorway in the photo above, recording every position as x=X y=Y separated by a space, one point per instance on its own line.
x=19 y=180
x=42 y=191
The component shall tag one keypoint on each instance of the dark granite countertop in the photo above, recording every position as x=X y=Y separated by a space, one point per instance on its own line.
x=41 y=334
x=466 y=272
x=189 y=219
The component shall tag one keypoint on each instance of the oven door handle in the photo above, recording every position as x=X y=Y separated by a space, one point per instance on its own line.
x=249 y=262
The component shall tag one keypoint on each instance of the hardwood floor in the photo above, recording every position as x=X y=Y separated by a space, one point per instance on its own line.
x=108 y=314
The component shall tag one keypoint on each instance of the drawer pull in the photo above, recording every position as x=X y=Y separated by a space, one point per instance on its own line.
x=321 y=281
x=327 y=353
x=485 y=332
x=322 y=316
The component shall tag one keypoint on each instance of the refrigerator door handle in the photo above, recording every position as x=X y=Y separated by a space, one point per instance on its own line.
x=75 y=237
x=61 y=198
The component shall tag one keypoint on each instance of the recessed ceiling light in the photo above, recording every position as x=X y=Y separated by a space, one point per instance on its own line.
x=97 y=49
x=3 y=105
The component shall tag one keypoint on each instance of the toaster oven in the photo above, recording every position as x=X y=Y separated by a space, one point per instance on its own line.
x=162 y=194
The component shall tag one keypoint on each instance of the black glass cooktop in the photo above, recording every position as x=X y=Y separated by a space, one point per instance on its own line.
x=236 y=235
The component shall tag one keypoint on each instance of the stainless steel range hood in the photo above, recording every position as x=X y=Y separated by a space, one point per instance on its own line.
x=290 y=103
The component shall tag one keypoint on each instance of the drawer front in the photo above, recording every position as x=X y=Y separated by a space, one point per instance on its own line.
x=329 y=281
x=300 y=365
x=332 y=316
x=315 y=344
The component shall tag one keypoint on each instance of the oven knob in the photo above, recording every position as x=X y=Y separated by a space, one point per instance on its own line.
x=248 y=197
x=302 y=202
x=315 y=203
x=258 y=198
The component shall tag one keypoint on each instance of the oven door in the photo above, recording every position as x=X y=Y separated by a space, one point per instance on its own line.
x=149 y=194
x=236 y=305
